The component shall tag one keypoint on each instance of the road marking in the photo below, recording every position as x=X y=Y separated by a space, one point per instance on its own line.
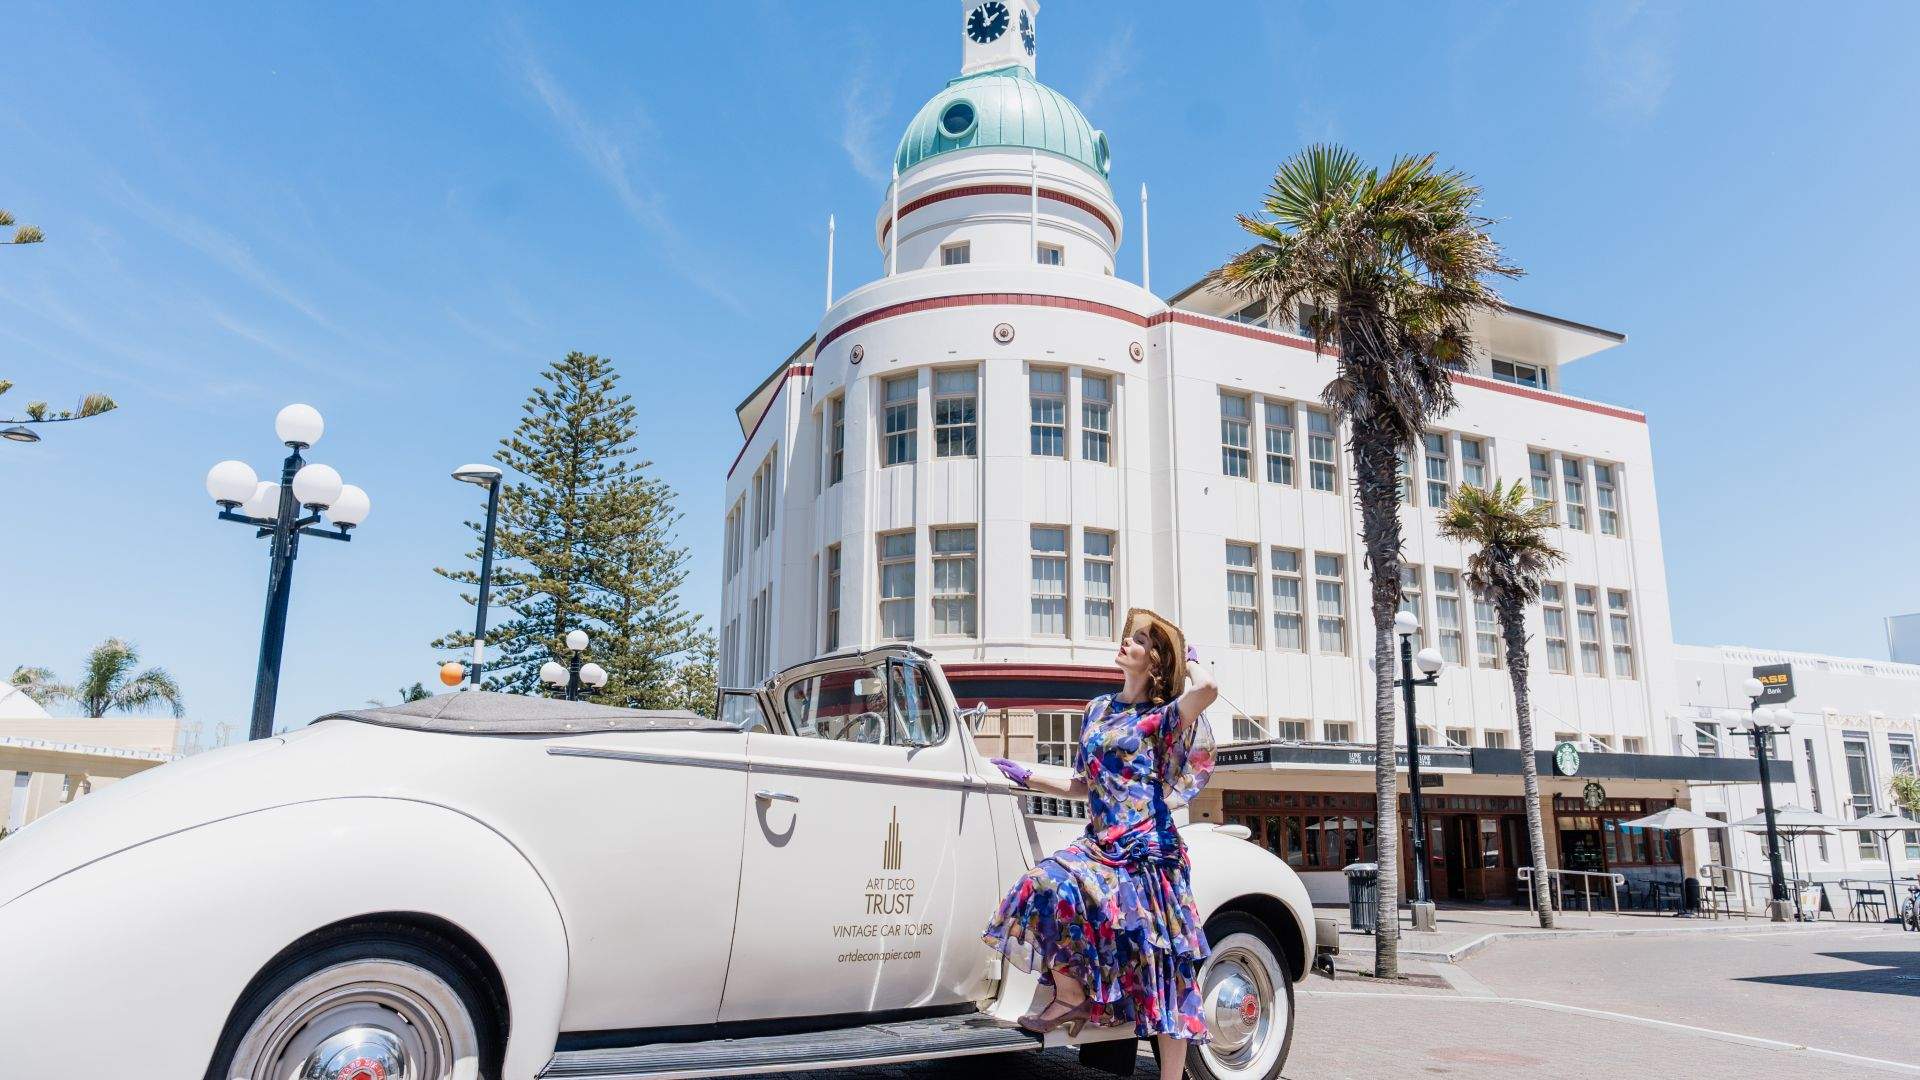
x=1626 y=1018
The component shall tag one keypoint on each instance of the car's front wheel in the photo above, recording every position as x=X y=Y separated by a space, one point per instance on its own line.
x=374 y=1002
x=1247 y=998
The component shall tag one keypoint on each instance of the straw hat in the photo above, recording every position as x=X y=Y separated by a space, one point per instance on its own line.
x=1138 y=619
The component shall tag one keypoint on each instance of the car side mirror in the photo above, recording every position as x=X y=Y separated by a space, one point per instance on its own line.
x=869 y=686
x=975 y=717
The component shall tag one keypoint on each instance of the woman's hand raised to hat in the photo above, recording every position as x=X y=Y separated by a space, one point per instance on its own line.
x=1201 y=689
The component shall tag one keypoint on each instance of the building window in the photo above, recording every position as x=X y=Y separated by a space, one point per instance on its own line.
x=1279 y=419
x=1330 y=602
x=837 y=441
x=1540 y=478
x=1340 y=731
x=833 y=598
x=1410 y=600
x=1473 y=462
x=1248 y=729
x=1403 y=475
x=1290 y=730
x=1052 y=255
x=1254 y=314
x=1236 y=455
x=1056 y=734
x=1439 y=469
x=1460 y=736
x=1553 y=611
x=1047 y=396
x=1523 y=374
x=1606 y=496
x=1587 y=618
x=1323 y=470
x=1706 y=739
x=956 y=417
x=1632 y=744
x=1813 y=792
x=1486 y=631
x=1049 y=581
x=759 y=505
x=896 y=586
x=1573 y=482
x=956 y=254
x=901 y=419
x=1900 y=751
x=1096 y=418
x=955 y=592
x=1446 y=615
x=1243 y=621
x=1860 y=780
x=1307 y=319
x=1494 y=740
x=1096 y=567
x=1286 y=599
x=1620 y=629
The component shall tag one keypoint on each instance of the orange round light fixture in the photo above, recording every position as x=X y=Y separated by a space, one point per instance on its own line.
x=452 y=673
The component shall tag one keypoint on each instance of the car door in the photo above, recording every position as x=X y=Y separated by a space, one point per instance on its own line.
x=868 y=857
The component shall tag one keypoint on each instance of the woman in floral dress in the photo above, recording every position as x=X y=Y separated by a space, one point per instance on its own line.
x=1109 y=921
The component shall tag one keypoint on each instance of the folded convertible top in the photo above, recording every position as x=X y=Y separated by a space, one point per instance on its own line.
x=479 y=712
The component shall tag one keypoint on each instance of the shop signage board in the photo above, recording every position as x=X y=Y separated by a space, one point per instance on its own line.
x=1338 y=756
x=1776 y=683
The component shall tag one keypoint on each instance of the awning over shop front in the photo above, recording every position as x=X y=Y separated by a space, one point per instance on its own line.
x=48 y=756
x=1454 y=759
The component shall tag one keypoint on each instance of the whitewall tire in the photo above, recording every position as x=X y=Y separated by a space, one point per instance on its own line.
x=1246 y=995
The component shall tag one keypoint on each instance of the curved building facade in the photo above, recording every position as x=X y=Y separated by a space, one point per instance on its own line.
x=998 y=446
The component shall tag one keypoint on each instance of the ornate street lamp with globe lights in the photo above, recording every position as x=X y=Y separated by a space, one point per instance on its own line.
x=275 y=511
x=486 y=476
x=1761 y=722
x=574 y=674
x=1405 y=625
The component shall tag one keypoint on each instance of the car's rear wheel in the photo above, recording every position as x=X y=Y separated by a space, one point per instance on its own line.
x=372 y=1002
x=1247 y=999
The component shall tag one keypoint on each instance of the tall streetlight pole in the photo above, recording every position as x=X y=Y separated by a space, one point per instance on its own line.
x=575 y=674
x=486 y=476
x=1760 y=725
x=1405 y=625
x=274 y=510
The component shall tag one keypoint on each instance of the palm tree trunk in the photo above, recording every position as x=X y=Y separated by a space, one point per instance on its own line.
x=1375 y=460
x=1513 y=629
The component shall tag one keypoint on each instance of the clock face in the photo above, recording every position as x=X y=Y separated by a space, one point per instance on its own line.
x=987 y=22
x=1026 y=32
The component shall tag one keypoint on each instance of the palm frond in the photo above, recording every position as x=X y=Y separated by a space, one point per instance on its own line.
x=40 y=685
x=153 y=686
x=1511 y=536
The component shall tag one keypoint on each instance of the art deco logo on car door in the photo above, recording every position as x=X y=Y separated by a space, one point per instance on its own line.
x=890 y=851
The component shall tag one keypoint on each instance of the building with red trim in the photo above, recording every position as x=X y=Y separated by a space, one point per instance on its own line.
x=999 y=444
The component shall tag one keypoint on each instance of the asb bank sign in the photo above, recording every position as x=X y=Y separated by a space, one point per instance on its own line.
x=1776 y=683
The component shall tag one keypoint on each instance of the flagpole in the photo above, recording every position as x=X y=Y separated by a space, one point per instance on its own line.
x=1146 y=271
x=893 y=231
x=829 y=261
x=1033 y=212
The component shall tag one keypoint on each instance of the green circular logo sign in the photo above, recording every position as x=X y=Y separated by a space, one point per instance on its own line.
x=1566 y=759
x=1594 y=795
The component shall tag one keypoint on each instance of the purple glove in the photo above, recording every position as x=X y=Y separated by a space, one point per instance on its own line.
x=1192 y=657
x=1013 y=771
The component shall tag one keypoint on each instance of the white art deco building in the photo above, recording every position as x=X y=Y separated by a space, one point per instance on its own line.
x=999 y=445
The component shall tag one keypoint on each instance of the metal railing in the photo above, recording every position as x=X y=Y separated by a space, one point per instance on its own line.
x=1749 y=886
x=1557 y=881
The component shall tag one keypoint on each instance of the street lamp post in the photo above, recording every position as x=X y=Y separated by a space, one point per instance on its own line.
x=274 y=510
x=1760 y=725
x=1405 y=625
x=574 y=675
x=486 y=476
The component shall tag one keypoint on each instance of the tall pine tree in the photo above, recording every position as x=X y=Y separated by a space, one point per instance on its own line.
x=586 y=541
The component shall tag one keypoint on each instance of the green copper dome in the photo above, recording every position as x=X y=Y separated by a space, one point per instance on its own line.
x=1009 y=108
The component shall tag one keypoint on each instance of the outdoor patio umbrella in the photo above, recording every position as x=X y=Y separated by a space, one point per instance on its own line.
x=1792 y=822
x=1884 y=824
x=1675 y=817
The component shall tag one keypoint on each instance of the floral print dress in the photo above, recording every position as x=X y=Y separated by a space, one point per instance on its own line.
x=1115 y=908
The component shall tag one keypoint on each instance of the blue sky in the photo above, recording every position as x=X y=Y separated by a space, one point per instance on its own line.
x=398 y=213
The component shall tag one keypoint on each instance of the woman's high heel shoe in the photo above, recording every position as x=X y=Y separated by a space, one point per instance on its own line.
x=1056 y=1014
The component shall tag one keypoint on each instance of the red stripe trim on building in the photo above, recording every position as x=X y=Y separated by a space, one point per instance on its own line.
x=795 y=371
x=1030 y=671
x=937 y=303
x=1074 y=201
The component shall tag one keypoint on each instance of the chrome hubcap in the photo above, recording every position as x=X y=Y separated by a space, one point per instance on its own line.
x=362 y=1020
x=1242 y=1010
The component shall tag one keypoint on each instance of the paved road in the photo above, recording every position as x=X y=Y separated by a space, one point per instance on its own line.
x=1766 y=1006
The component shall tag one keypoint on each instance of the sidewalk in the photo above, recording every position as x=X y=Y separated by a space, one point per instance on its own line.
x=1461 y=931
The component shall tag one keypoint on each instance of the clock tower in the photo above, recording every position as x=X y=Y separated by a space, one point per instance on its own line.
x=997 y=34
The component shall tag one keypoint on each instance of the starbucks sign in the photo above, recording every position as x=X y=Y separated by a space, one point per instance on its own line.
x=1566 y=760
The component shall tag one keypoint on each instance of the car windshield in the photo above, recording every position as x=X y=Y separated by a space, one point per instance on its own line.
x=885 y=703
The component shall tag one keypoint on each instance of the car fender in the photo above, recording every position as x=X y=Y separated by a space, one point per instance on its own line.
x=131 y=965
x=1231 y=874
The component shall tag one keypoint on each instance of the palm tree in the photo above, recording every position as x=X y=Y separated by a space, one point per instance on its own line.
x=1390 y=269
x=108 y=684
x=1514 y=555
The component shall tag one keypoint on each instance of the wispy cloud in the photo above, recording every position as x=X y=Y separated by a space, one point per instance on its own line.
x=1112 y=68
x=864 y=106
x=618 y=154
x=1630 y=58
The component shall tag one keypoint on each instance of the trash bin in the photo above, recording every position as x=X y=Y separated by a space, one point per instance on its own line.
x=1690 y=896
x=1363 y=896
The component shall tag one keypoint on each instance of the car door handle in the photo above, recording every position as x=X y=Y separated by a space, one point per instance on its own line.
x=775 y=796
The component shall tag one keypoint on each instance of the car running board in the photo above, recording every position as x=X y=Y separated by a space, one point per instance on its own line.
x=869 y=1044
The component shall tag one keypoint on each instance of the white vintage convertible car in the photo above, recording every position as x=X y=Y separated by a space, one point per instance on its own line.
x=489 y=886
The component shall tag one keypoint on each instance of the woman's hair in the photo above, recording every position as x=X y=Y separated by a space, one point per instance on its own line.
x=1162 y=666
